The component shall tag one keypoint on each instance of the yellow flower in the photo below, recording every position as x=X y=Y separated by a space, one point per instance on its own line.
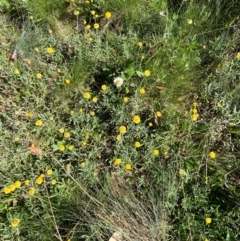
x=155 y=152
x=83 y=164
x=6 y=190
x=158 y=113
x=122 y=129
x=93 y=12
x=39 y=76
x=195 y=104
x=87 y=95
x=29 y=61
x=17 y=138
x=94 y=99
x=49 y=172
x=147 y=73
x=238 y=55
x=117 y=161
x=70 y=148
x=42 y=175
x=50 y=50
x=212 y=154
x=142 y=57
x=61 y=147
x=30 y=17
x=84 y=22
x=61 y=130
x=119 y=137
x=16 y=71
x=12 y=188
x=31 y=191
x=38 y=123
x=17 y=184
x=189 y=21
x=104 y=87
x=39 y=180
x=72 y=1
x=219 y=104
x=206 y=239
x=87 y=2
x=195 y=117
x=137 y=144
x=125 y=99
x=26 y=182
x=29 y=114
x=76 y=13
x=37 y=49
x=128 y=166
x=194 y=111
x=67 y=81
x=15 y=222
x=150 y=124
x=68 y=166
x=96 y=16
x=81 y=110
x=208 y=220
x=84 y=143
x=50 y=31
x=66 y=134
x=142 y=91
x=136 y=119
x=108 y=15
x=88 y=26
x=140 y=44
x=53 y=182
x=92 y=113
x=181 y=172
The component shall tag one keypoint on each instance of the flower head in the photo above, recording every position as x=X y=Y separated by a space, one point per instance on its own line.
x=137 y=144
x=108 y=15
x=147 y=73
x=96 y=25
x=208 y=220
x=140 y=44
x=39 y=123
x=104 y=87
x=70 y=148
x=16 y=71
x=158 y=113
x=128 y=166
x=87 y=95
x=117 y=161
x=125 y=99
x=61 y=147
x=6 y=190
x=17 y=184
x=67 y=81
x=49 y=172
x=31 y=191
x=136 y=119
x=76 y=12
x=66 y=134
x=15 y=222
x=142 y=91
x=94 y=99
x=53 y=182
x=118 y=81
x=189 y=21
x=212 y=154
x=155 y=152
x=39 y=76
x=122 y=129
x=50 y=50
x=39 y=180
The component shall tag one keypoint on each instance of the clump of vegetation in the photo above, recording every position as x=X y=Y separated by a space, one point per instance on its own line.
x=119 y=120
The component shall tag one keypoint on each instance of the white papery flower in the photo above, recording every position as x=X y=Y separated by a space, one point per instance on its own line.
x=118 y=81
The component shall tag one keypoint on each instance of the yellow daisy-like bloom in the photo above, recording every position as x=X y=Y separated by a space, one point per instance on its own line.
x=76 y=12
x=49 y=172
x=84 y=143
x=70 y=148
x=108 y=15
x=128 y=166
x=50 y=50
x=206 y=239
x=150 y=124
x=62 y=148
x=140 y=44
x=208 y=220
x=15 y=222
x=30 y=17
x=72 y=1
x=87 y=95
x=72 y=112
x=155 y=152
x=31 y=191
x=136 y=119
x=125 y=99
x=39 y=123
x=93 y=12
x=29 y=61
x=92 y=113
x=94 y=99
x=212 y=154
x=87 y=2
x=137 y=144
x=16 y=71
x=61 y=130
x=39 y=180
x=142 y=91
x=84 y=22
x=90 y=39
x=189 y=21
x=238 y=55
x=96 y=16
x=67 y=81
x=66 y=134
x=88 y=26
x=68 y=166
x=37 y=49
x=54 y=182
x=17 y=138
x=26 y=182
x=42 y=175
x=17 y=184
x=147 y=73
x=103 y=87
x=195 y=117
x=194 y=111
x=117 y=161
x=39 y=76
x=6 y=190
x=122 y=129
x=83 y=164
x=50 y=31
x=12 y=188
x=119 y=137
x=158 y=113
x=29 y=114
x=181 y=172
x=195 y=104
